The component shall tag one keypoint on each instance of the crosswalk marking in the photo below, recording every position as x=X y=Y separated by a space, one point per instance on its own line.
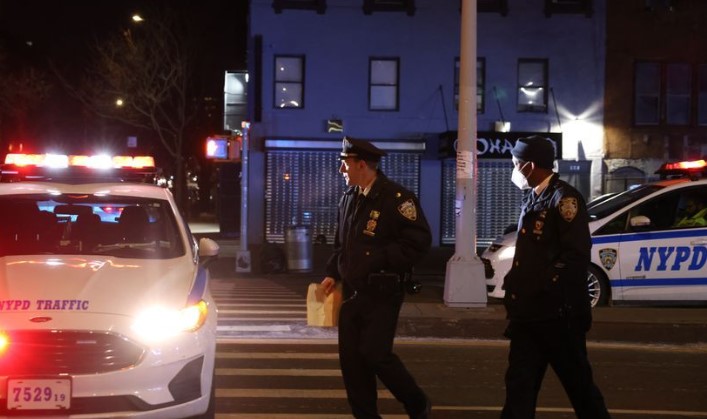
x=294 y=416
x=259 y=305
x=262 y=311
x=235 y=300
x=291 y=393
x=279 y=372
x=277 y=355
x=254 y=328
x=263 y=319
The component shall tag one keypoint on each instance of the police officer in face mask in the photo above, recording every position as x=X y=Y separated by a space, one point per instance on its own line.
x=546 y=297
x=381 y=233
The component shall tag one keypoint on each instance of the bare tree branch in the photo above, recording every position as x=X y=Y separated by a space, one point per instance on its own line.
x=149 y=67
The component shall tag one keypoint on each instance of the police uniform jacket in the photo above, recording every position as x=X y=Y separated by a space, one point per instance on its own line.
x=548 y=278
x=386 y=232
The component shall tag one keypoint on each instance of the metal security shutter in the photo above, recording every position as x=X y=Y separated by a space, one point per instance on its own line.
x=498 y=203
x=304 y=187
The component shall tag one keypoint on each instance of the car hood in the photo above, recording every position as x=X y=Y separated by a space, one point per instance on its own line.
x=87 y=284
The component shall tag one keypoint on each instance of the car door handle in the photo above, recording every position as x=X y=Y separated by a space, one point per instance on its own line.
x=699 y=242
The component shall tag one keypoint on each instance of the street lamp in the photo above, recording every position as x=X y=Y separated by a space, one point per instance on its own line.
x=137 y=18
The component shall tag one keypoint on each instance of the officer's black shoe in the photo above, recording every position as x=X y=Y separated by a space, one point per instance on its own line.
x=426 y=413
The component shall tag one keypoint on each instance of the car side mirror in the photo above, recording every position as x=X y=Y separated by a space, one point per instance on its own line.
x=208 y=248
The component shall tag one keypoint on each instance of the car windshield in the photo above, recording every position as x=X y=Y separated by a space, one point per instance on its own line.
x=616 y=202
x=117 y=226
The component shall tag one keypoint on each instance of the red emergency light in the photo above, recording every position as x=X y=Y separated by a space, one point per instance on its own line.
x=686 y=165
x=688 y=168
x=62 y=161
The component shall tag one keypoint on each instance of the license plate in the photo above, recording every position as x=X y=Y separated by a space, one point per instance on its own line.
x=38 y=394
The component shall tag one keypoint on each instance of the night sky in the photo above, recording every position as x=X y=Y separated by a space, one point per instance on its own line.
x=35 y=32
x=64 y=29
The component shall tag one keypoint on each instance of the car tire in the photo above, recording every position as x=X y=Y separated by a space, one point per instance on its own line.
x=598 y=287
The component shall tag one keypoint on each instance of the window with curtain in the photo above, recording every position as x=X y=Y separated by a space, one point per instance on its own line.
x=289 y=82
x=532 y=85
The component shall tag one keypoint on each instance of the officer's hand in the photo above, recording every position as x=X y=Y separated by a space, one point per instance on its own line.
x=328 y=283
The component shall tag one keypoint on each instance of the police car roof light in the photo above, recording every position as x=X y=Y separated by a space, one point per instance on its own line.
x=61 y=161
x=686 y=165
x=81 y=168
x=693 y=169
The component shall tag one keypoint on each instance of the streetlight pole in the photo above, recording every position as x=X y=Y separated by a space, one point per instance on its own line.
x=243 y=263
x=465 y=284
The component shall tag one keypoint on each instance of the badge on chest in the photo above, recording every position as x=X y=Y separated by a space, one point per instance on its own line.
x=372 y=223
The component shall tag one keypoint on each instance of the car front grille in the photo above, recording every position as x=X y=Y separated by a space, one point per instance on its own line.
x=36 y=352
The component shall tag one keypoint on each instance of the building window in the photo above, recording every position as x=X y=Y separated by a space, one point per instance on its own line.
x=407 y=6
x=532 y=85
x=383 y=86
x=677 y=94
x=702 y=95
x=663 y=94
x=289 y=82
x=318 y=5
x=647 y=94
x=568 y=7
x=492 y=6
x=480 y=84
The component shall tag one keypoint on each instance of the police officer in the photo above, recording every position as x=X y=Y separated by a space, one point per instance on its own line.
x=381 y=233
x=546 y=297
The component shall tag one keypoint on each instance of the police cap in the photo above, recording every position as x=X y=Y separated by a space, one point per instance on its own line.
x=535 y=148
x=360 y=149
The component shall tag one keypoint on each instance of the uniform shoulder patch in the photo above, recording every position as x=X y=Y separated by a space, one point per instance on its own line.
x=408 y=210
x=568 y=208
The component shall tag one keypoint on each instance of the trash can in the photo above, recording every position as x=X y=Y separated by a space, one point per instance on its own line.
x=298 y=247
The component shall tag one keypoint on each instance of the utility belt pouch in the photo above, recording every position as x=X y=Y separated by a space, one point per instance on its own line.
x=384 y=284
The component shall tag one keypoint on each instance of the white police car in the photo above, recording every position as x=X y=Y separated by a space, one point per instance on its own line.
x=645 y=247
x=105 y=308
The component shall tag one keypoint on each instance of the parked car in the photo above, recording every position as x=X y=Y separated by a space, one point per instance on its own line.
x=105 y=308
x=641 y=252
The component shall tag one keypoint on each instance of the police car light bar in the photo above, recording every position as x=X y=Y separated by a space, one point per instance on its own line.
x=686 y=165
x=694 y=169
x=62 y=161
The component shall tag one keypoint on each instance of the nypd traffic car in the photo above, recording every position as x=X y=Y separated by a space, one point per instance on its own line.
x=105 y=308
x=646 y=246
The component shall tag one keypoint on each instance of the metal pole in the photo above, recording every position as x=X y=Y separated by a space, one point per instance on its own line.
x=243 y=255
x=465 y=284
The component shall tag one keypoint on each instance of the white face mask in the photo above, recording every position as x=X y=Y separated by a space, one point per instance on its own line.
x=519 y=179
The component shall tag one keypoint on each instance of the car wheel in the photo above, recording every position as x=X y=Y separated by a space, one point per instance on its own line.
x=597 y=286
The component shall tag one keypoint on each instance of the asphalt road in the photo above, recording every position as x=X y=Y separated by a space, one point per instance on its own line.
x=300 y=379
x=649 y=362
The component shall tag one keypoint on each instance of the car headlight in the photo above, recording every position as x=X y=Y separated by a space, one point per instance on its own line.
x=157 y=323
x=507 y=253
x=4 y=342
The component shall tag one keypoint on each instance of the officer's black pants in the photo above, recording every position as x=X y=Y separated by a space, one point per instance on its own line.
x=533 y=347
x=366 y=332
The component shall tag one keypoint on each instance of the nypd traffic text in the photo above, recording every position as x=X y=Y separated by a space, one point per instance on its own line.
x=20 y=305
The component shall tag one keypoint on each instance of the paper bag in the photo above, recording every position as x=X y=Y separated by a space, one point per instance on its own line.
x=323 y=310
